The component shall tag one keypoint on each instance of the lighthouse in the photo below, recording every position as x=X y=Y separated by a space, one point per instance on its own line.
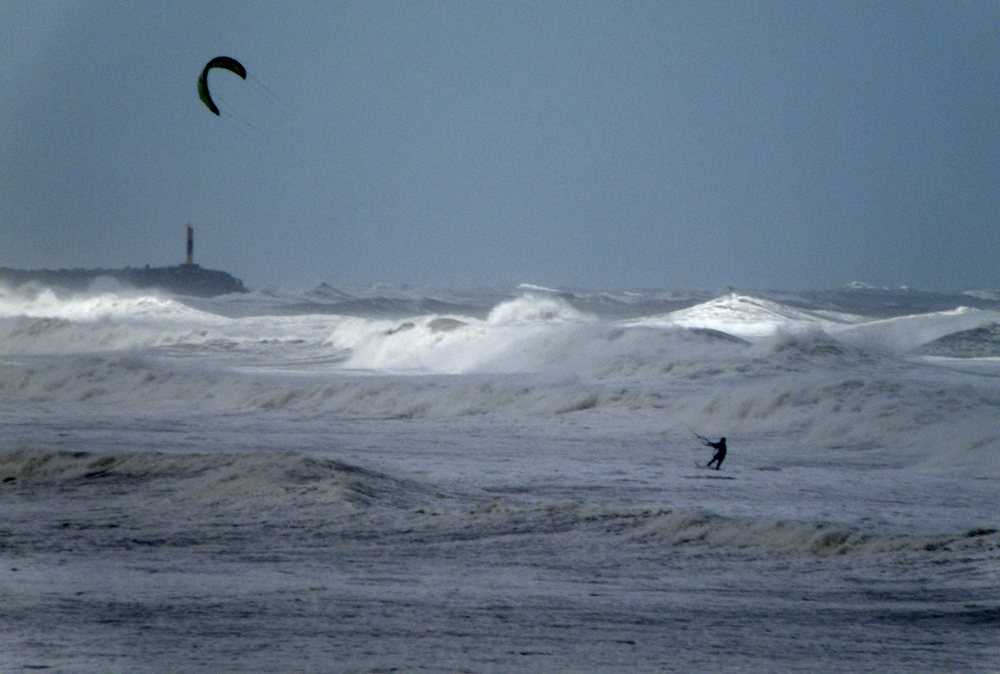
x=190 y=246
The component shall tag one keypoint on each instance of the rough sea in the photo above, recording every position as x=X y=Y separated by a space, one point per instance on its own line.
x=395 y=479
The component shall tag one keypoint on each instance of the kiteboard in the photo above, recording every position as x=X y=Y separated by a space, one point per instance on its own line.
x=707 y=477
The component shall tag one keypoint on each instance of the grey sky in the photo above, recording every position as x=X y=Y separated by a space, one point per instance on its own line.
x=604 y=145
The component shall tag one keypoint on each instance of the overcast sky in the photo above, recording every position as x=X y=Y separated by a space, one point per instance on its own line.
x=603 y=145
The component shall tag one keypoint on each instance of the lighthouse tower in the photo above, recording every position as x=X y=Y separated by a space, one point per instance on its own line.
x=190 y=246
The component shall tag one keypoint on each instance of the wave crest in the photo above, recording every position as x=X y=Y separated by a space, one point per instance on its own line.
x=800 y=539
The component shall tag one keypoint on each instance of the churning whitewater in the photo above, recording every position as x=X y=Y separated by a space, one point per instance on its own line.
x=399 y=479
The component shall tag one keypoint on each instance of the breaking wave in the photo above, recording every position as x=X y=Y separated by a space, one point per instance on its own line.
x=747 y=364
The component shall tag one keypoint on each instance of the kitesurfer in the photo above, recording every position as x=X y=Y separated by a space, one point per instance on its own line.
x=720 y=451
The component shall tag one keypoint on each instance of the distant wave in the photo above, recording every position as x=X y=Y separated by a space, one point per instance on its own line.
x=516 y=334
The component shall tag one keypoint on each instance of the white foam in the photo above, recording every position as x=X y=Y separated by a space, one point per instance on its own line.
x=905 y=333
x=533 y=308
x=92 y=306
x=746 y=317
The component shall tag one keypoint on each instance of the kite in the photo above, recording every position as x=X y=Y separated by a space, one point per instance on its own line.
x=225 y=63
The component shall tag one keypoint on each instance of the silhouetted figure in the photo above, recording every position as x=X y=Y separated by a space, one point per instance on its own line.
x=720 y=453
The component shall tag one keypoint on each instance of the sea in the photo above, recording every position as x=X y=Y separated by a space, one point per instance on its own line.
x=403 y=479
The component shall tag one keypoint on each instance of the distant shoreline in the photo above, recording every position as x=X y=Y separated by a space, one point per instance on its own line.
x=184 y=279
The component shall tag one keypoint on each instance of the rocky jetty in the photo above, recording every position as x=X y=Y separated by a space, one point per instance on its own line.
x=184 y=279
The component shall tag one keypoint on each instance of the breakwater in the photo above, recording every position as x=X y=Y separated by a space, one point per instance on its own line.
x=185 y=279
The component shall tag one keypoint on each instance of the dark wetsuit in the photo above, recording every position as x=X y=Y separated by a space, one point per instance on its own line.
x=720 y=453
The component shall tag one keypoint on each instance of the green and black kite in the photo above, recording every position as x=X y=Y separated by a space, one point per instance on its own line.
x=225 y=63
